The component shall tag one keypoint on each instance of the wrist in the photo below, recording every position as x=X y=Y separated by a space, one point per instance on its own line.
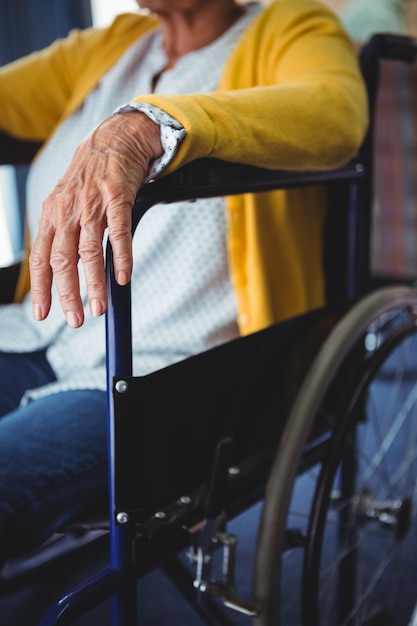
x=171 y=135
x=145 y=133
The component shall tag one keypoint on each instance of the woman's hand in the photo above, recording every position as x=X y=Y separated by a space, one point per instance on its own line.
x=96 y=192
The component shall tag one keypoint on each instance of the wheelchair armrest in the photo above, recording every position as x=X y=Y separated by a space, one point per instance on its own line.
x=209 y=178
x=16 y=151
x=8 y=279
x=393 y=47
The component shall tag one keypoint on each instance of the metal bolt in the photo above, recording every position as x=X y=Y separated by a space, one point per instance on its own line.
x=185 y=500
x=121 y=386
x=122 y=518
x=359 y=167
x=160 y=515
x=234 y=471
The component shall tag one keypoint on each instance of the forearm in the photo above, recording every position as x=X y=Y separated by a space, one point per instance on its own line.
x=298 y=127
x=296 y=101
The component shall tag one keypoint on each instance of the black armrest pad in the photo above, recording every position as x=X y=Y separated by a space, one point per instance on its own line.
x=15 y=151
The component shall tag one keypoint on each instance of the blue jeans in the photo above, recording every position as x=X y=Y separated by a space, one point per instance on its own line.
x=53 y=459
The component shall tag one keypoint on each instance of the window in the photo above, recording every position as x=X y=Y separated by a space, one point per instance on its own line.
x=104 y=12
x=11 y=239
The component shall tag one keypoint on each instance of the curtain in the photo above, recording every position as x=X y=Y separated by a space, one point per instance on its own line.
x=27 y=25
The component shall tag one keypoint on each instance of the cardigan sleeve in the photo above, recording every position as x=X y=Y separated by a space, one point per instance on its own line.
x=39 y=90
x=292 y=96
x=35 y=89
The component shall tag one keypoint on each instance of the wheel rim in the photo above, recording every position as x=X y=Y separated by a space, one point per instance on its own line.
x=270 y=578
x=377 y=514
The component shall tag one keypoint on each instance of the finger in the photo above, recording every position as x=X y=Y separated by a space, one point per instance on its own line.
x=91 y=254
x=41 y=275
x=64 y=264
x=119 y=221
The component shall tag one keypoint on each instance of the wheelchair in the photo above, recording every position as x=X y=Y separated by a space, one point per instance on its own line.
x=322 y=432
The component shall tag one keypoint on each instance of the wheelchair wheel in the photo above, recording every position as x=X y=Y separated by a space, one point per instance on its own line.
x=352 y=527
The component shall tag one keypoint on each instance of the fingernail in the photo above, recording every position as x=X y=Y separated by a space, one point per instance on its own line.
x=37 y=312
x=72 y=319
x=96 y=307
x=122 y=277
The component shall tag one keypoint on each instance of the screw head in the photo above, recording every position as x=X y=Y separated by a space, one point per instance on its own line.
x=160 y=515
x=122 y=518
x=121 y=386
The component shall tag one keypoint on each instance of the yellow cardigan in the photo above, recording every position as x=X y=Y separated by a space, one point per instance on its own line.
x=291 y=97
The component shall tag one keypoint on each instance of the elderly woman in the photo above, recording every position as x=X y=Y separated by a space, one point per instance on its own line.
x=277 y=87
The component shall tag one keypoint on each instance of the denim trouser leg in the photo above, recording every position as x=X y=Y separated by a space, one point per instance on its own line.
x=53 y=460
x=19 y=372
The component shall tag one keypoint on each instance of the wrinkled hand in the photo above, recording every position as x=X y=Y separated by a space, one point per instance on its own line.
x=96 y=192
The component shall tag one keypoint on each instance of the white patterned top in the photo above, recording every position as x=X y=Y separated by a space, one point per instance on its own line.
x=183 y=301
